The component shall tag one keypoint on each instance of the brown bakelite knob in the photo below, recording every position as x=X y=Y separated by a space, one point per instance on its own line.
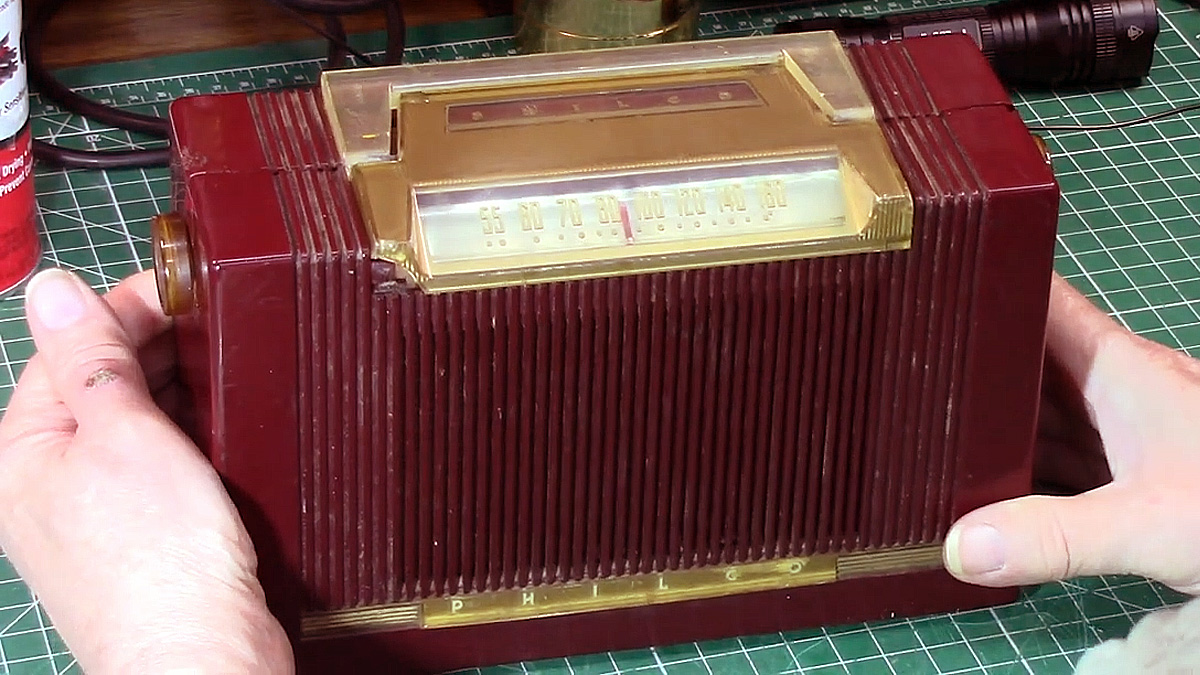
x=1045 y=149
x=173 y=264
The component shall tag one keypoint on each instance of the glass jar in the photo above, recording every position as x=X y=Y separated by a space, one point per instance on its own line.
x=566 y=25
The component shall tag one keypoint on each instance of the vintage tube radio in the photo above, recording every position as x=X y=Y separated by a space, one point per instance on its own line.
x=564 y=353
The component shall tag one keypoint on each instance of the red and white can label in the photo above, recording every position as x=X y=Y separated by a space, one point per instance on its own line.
x=14 y=87
x=20 y=248
x=19 y=245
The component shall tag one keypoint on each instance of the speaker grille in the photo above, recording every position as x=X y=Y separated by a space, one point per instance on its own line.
x=507 y=438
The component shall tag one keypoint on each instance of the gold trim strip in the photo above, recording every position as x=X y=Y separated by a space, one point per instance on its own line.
x=621 y=592
x=894 y=561
x=360 y=620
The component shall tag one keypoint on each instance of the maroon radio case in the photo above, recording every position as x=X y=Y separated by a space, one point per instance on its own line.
x=386 y=446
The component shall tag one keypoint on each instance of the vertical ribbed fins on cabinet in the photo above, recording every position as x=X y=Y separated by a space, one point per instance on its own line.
x=506 y=438
x=949 y=202
x=293 y=130
x=340 y=390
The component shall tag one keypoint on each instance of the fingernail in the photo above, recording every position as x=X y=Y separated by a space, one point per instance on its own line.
x=974 y=550
x=56 y=298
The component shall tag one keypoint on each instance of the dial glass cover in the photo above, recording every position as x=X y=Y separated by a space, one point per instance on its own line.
x=562 y=166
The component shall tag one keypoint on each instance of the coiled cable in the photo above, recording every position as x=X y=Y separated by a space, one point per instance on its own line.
x=158 y=127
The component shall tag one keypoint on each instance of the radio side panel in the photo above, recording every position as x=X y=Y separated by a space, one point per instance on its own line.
x=945 y=82
x=1012 y=282
x=238 y=346
x=1001 y=412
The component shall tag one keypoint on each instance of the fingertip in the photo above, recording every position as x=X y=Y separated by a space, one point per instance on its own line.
x=144 y=284
x=975 y=552
x=1037 y=539
x=88 y=356
x=136 y=303
x=55 y=299
x=951 y=553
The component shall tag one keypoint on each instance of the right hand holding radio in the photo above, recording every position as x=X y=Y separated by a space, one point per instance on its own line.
x=1142 y=402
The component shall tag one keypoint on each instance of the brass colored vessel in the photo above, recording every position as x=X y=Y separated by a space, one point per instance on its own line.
x=566 y=25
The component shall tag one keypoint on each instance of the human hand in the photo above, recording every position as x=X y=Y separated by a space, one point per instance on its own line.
x=109 y=512
x=1143 y=400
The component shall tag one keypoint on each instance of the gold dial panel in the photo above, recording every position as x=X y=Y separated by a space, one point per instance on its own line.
x=553 y=167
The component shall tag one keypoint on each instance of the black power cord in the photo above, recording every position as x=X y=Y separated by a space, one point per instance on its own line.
x=53 y=90
x=333 y=10
x=1107 y=126
x=158 y=127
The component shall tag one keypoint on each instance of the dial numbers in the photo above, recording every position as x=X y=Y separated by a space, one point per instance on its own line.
x=689 y=203
x=490 y=216
x=733 y=198
x=608 y=209
x=772 y=194
x=570 y=213
x=649 y=205
x=608 y=214
x=531 y=216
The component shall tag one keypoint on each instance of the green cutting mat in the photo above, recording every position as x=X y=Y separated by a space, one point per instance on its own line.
x=1129 y=238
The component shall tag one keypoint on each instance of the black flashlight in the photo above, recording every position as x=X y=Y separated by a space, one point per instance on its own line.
x=1029 y=43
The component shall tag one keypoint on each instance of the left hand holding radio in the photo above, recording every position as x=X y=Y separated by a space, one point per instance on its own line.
x=1143 y=400
x=111 y=514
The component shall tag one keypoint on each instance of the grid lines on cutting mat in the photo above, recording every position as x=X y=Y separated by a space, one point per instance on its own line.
x=1128 y=238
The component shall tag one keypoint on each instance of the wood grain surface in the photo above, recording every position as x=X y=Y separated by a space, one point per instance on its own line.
x=92 y=31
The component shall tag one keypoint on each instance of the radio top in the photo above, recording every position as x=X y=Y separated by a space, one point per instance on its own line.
x=549 y=167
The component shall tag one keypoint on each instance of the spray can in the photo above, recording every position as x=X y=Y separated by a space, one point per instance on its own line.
x=20 y=247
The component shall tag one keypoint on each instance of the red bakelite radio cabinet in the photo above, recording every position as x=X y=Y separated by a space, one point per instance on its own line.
x=563 y=353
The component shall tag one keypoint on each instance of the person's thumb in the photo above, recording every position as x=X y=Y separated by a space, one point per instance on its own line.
x=1037 y=539
x=88 y=357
